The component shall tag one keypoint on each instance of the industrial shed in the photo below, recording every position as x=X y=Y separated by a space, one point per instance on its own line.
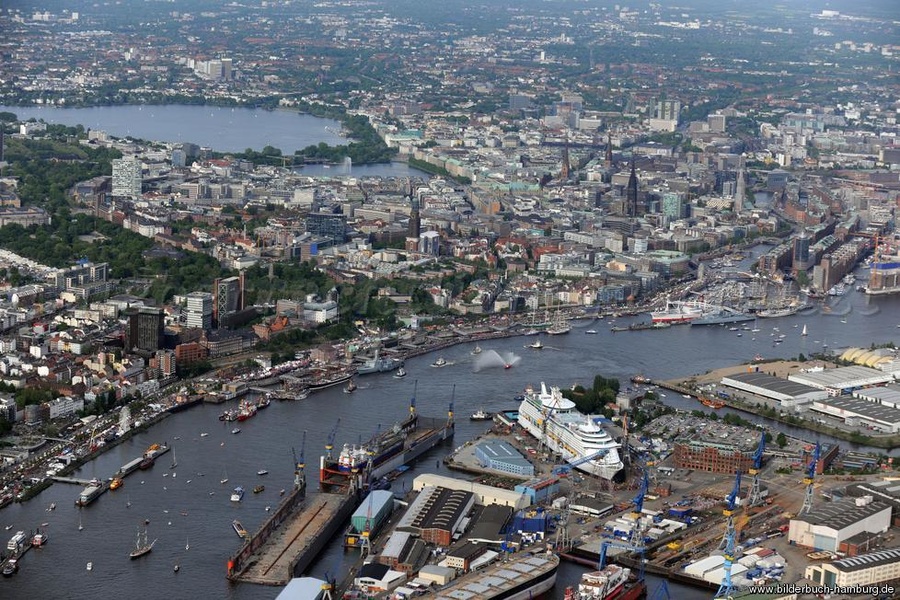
x=843 y=379
x=484 y=494
x=785 y=392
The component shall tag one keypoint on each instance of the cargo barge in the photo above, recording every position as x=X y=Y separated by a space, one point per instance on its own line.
x=357 y=466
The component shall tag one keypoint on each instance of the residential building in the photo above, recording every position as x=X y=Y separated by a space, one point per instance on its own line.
x=199 y=310
x=126 y=178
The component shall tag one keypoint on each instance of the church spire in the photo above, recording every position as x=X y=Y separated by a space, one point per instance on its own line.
x=631 y=192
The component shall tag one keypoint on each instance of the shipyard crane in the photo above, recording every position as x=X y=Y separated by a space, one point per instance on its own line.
x=808 y=480
x=329 y=444
x=754 y=498
x=365 y=544
x=726 y=588
x=300 y=464
x=637 y=533
x=564 y=469
x=731 y=502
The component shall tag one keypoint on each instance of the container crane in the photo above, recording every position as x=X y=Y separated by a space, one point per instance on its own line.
x=329 y=444
x=808 y=480
x=300 y=464
x=726 y=589
x=754 y=498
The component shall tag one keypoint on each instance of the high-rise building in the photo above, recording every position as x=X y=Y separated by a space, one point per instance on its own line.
x=801 y=253
x=145 y=330
x=126 y=178
x=668 y=110
x=331 y=226
x=673 y=206
x=228 y=297
x=199 y=310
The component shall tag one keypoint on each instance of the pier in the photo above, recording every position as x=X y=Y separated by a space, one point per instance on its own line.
x=282 y=551
x=74 y=480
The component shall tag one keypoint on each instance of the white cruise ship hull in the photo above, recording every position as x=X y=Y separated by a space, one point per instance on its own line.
x=567 y=443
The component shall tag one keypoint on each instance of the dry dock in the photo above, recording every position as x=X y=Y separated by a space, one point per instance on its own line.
x=292 y=547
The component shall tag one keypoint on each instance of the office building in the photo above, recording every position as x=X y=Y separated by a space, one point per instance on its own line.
x=228 y=297
x=126 y=178
x=331 y=226
x=673 y=207
x=145 y=330
x=199 y=310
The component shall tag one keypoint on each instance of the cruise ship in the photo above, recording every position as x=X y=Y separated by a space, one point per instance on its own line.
x=570 y=433
x=684 y=311
x=521 y=577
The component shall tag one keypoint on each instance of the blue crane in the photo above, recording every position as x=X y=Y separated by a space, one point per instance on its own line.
x=754 y=498
x=564 y=469
x=726 y=589
x=808 y=480
x=300 y=464
x=329 y=444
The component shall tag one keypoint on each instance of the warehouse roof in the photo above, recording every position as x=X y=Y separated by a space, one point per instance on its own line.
x=504 y=452
x=839 y=515
x=769 y=382
x=867 y=561
x=889 y=394
x=842 y=377
x=864 y=408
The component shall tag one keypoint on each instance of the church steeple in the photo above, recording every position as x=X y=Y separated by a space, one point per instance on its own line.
x=631 y=192
x=609 y=158
x=415 y=223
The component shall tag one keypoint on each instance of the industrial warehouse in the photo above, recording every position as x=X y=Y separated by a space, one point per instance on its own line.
x=501 y=456
x=787 y=393
x=842 y=380
x=868 y=569
x=829 y=525
x=854 y=412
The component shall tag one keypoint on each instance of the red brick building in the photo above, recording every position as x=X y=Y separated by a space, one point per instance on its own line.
x=712 y=457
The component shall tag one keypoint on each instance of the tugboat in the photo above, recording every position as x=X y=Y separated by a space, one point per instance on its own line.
x=259 y=489
x=440 y=362
x=536 y=345
x=480 y=415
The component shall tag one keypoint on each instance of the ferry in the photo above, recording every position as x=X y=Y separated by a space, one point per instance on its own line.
x=39 y=539
x=573 y=435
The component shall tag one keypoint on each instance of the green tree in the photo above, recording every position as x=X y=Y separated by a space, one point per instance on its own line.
x=781 y=440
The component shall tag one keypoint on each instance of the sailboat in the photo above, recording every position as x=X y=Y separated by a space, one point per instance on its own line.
x=187 y=544
x=804 y=331
x=141 y=547
x=80 y=526
x=224 y=480
x=560 y=324
x=174 y=462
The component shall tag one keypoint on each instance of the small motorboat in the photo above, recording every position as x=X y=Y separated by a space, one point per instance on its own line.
x=481 y=415
x=236 y=430
x=258 y=489
x=477 y=350
x=507 y=366
x=440 y=362
x=537 y=345
x=176 y=568
x=262 y=472
x=350 y=387
x=400 y=373
x=591 y=331
x=90 y=566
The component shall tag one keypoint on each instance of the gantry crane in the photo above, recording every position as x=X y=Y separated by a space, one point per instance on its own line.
x=754 y=498
x=636 y=541
x=808 y=480
x=565 y=468
x=300 y=464
x=726 y=589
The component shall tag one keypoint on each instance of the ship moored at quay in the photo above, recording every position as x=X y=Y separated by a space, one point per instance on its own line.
x=358 y=466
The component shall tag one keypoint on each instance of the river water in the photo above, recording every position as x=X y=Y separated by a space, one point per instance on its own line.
x=266 y=441
x=224 y=129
